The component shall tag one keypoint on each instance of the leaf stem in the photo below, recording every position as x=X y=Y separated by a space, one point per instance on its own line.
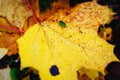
x=33 y=13
x=10 y=28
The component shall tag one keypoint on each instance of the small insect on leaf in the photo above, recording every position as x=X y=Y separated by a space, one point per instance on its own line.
x=63 y=24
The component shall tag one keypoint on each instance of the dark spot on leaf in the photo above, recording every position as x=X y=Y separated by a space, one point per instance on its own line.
x=69 y=36
x=54 y=70
x=80 y=31
x=107 y=35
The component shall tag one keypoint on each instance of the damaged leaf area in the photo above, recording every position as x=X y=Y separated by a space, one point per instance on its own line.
x=58 y=53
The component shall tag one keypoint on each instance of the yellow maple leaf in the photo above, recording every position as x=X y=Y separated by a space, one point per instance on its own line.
x=58 y=53
x=41 y=48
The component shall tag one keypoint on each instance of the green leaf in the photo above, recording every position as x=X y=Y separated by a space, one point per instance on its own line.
x=14 y=74
x=62 y=24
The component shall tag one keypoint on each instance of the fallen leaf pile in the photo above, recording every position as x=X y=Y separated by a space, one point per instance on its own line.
x=59 y=52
